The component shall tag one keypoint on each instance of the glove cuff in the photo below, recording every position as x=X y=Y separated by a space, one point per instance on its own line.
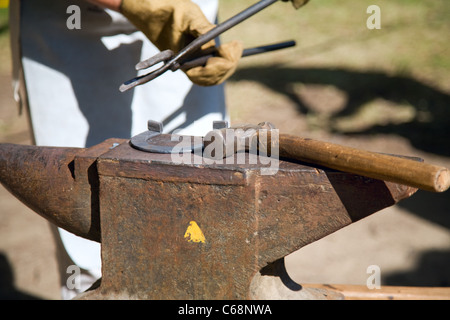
x=168 y=24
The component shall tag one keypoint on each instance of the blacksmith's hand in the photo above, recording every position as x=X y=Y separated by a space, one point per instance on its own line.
x=173 y=24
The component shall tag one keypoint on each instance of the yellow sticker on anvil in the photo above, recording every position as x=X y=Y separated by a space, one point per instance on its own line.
x=194 y=233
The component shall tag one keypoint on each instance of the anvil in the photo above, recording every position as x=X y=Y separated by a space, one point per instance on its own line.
x=188 y=230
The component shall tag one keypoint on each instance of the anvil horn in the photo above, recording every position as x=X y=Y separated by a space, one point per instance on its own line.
x=60 y=184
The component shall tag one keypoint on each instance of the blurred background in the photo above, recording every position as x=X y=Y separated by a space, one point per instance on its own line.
x=385 y=90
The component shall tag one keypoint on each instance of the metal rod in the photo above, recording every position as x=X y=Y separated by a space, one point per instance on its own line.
x=268 y=48
x=201 y=61
x=221 y=28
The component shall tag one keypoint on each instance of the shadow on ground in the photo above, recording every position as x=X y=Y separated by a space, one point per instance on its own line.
x=432 y=270
x=427 y=131
x=433 y=267
x=7 y=288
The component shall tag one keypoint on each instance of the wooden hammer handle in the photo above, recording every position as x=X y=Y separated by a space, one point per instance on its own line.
x=369 y=164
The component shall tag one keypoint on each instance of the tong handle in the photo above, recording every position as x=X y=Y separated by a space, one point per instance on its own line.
x=201 y=61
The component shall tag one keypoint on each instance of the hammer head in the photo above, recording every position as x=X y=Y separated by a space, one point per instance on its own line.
x=224 y=141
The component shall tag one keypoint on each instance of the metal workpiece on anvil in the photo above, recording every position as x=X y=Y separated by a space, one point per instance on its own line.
x=186 y=230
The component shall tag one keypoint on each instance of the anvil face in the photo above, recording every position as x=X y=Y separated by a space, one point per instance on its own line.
x=194 y=230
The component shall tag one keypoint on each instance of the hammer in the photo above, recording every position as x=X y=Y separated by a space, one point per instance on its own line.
x=266 y=139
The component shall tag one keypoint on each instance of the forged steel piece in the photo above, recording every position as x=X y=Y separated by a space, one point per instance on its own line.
x=154 y=140
x=187 y=230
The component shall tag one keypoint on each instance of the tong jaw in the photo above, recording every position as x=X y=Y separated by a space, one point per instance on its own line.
x=162 y=56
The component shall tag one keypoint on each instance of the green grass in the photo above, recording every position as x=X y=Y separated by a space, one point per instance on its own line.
x=411 y=46
x=413 y=38
x=5 y=54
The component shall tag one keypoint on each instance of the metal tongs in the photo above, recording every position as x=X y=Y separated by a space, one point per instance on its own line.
x=185 y=58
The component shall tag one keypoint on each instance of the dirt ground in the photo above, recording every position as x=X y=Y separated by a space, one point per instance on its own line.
x=410 y=241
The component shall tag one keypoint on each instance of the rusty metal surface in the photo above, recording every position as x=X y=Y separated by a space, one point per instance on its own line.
x=248 y=220
x=186 y=231
x=60 y=184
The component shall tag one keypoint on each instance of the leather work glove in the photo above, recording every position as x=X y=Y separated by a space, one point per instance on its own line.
x=297 y=3
x=173 y=24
